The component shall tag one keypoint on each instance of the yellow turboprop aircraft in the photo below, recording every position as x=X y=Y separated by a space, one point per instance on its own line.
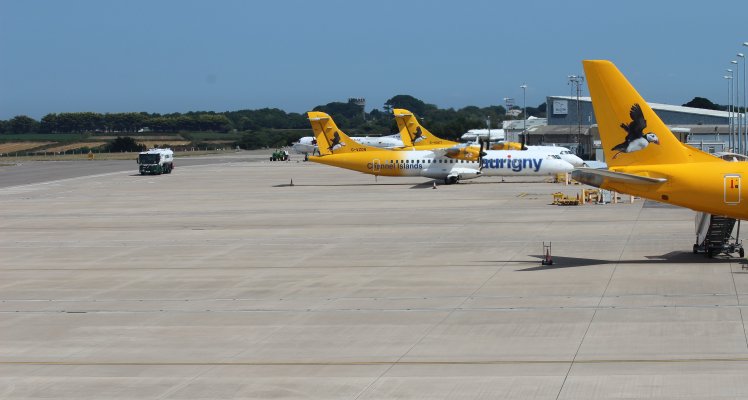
x=415 y=136
x=645 y=159
x=339 y=150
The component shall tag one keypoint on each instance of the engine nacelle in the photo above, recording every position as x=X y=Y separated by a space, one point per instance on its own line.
x=464 y=152
x=463 y=173
x=507 y=146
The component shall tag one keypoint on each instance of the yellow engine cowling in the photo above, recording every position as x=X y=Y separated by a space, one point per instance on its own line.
x=506 y=146
x=468 y=153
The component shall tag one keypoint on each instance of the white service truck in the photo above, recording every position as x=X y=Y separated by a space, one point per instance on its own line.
x=156 y=161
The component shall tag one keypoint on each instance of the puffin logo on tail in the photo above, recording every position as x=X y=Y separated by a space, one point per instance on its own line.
x=335 y=142
x=636 y=139
x=417 y=136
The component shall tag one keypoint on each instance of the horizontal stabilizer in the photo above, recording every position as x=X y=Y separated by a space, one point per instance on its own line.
x=596 y=177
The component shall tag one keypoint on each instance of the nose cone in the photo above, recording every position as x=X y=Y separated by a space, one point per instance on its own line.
x=573 y=160
x=564 y=166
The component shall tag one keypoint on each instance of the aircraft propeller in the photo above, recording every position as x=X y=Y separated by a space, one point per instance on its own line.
x=481 y=152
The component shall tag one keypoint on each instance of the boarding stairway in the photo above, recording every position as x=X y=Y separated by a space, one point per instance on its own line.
x=714 y=235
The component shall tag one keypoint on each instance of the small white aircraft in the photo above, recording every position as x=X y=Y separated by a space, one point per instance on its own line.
x=486 y=135
x=308 y=145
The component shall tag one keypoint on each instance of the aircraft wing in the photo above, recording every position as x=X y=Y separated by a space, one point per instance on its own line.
x=595 y=177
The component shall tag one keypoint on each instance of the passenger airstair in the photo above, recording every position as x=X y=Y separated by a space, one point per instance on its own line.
x=714 y=235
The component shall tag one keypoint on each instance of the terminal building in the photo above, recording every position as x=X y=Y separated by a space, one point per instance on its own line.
x=572 y=124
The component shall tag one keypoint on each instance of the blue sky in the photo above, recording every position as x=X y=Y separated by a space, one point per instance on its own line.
x=177 y=56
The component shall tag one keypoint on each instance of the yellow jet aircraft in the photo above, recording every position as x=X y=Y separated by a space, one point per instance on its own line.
x=645 y=159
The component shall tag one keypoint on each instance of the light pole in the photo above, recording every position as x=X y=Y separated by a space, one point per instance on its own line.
x=744 y=122
x=730 y=141
x=734 y=112
x=575 y=81
x=745 y=104
x=524 y=111
x=741 y=144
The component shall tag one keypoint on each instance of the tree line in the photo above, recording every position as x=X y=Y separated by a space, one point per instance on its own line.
x=272 y=126
x=347 y=115
x=82 y=122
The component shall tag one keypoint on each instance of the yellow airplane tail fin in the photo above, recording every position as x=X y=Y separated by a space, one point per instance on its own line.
x=330 y=139
x=631 y=133
x=412 y=133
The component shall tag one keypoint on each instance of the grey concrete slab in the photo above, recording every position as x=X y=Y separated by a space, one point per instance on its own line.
x=666 y=380
x=223 y=281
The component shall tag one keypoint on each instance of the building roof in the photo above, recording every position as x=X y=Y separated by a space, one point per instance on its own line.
x=532 y=122
x=662 y=107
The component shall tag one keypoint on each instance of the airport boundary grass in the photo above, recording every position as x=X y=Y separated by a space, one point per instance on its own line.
x=104 y=156
x=76 y=145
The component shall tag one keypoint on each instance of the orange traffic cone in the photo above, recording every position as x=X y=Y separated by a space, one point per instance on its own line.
x=547 y=260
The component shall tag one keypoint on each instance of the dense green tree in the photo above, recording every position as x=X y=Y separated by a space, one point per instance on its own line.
x=701 y=102
x=212 y=122
x=22 y=124
x=48 y=124
x=340 y=110
x=124 y=144
x=409 y=103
